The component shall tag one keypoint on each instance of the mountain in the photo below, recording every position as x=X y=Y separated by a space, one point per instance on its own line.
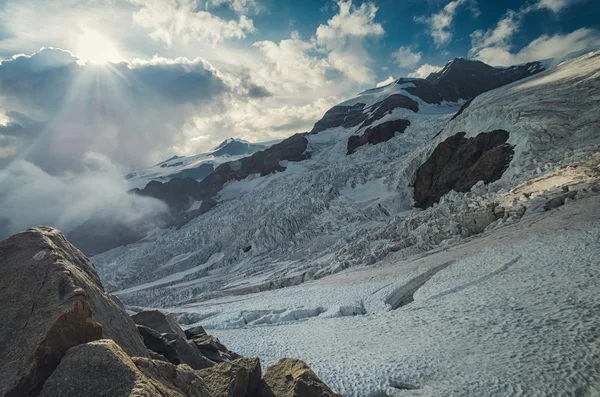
x=191 y=186
x=195 y=167
x=439 y=230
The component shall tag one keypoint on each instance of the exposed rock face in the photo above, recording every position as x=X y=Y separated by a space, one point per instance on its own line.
x=185 y=351
x=181 y=379
x=293 y=378
x=459 y=163
x=178 y=193
x=197 y=173
x=226 y=379
x=379 y=110
x=341 y=116
x=156 y=343
x=212 y=348
x=102 y=368
x=52 y=300
x=252 y=367
x=462 y=78
x=380 y=133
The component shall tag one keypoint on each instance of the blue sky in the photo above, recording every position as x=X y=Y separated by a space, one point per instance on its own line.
x=137 y=81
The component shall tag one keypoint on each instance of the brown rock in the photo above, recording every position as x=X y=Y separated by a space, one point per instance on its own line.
x=252 y=367
x=181 y=378
x=226 y=379
x=293 y=378
x=103 y=369
x=185 y=351
x=52 y=300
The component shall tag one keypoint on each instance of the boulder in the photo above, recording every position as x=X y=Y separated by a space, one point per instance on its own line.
x=559 y=200
x=226 y=379
x=186 y=351
x=52 y=300
x=252 y=367
x=293 y=378
x=459 y=163
x=103 y=369
x=194 y=331
x=211 y=347
x=180 y=378
x=156 y=343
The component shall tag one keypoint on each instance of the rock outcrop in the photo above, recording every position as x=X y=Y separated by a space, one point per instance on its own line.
x=52 y=300
x=459 y=163
x=63 y=336
x=102 y=368
x=374 y=135
x=341 y=116
x=184 y=351
x=293 y=378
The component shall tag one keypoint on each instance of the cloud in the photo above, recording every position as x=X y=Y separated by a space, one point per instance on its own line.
x=494 y=46
x=242 y=7
x=440 y=23
x=555 y=5
x=172 y=20
x=263 y=121
x=405 y=57
x=425 y=70
x=544 y=47
x=385 y=82
x=344 y=39
x=130 y=112
x=32 y=197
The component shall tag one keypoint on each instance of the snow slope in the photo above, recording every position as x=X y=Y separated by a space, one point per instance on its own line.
x=165 y=170
x=512 y=314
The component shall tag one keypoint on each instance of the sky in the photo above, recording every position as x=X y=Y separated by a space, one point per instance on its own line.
x=103 y=87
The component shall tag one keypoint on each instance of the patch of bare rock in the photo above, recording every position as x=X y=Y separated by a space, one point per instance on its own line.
x=63 y=335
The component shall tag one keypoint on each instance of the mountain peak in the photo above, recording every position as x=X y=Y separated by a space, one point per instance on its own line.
x=228 y=141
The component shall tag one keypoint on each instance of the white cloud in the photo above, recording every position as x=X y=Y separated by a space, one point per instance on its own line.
x=290 y=67
x=405 y=57
x=172 y=20
x=239 y=6
x=385 y=82
x=345 y=36
x=440 y=23
x=494 y=46
x=259 y=121
x=555 y=5
x=544 y=47
x=425 y=70
x=30 y=196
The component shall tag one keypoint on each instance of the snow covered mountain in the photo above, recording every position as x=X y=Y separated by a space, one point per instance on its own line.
x=307 y=206
x=377 y=207
x=195 y=167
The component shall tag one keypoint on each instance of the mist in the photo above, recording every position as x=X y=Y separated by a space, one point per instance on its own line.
x=30 y=196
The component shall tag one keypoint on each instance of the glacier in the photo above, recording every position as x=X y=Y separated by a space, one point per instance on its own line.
x=305 y=262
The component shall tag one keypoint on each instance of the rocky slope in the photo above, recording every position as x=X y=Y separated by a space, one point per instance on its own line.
x=64 y=336
x=325 y=211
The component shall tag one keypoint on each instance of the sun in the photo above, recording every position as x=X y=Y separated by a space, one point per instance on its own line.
x=95 y=48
